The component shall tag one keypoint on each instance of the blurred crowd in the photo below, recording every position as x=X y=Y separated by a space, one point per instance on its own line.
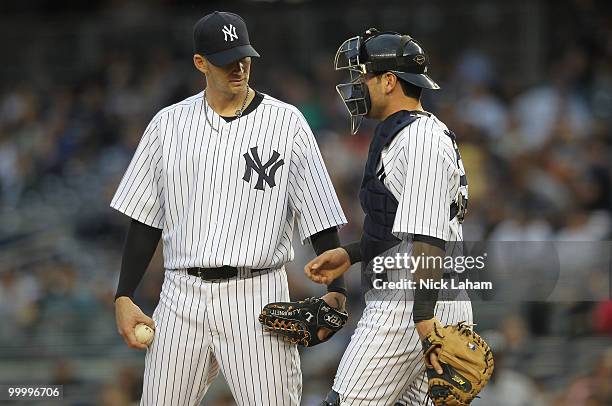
x=538 y=158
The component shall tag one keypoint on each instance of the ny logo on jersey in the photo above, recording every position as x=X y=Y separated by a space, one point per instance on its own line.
x=229 y=33
x=253 y=163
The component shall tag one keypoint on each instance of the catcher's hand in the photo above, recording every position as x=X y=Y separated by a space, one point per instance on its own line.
x=299 y=322
x=466 y=362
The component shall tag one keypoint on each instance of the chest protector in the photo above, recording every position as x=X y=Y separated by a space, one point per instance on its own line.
x=377 y=202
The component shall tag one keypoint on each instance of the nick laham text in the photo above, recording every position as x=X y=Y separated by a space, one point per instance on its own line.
x=444 y=284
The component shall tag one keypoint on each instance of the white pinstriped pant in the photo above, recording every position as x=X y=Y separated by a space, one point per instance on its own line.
x=202 y=327
x=383 y=363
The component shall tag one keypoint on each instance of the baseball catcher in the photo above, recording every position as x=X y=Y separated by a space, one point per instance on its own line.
x=414 y=194
x=301 y=322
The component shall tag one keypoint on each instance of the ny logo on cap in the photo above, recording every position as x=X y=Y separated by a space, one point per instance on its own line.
x=253 y=163
x=229 y=32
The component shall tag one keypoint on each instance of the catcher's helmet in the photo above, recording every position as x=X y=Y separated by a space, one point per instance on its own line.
x=379 y=52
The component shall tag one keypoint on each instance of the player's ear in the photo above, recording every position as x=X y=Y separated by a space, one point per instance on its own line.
x=389 y=82
x=201 y=63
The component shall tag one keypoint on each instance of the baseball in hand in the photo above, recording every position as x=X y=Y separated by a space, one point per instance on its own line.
x=144 y=334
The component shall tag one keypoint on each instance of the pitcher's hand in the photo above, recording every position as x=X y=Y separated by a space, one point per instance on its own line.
x=127 y=315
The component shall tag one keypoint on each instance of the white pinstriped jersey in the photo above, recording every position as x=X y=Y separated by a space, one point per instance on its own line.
x=422 y=172
x=228 y=193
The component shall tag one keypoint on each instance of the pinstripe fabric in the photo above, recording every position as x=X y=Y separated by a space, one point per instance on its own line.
x=194 y=182
x=196 y=336
x=422 y=172
x=383 y=363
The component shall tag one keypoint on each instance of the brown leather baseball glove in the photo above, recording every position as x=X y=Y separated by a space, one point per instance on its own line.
x=466 y=360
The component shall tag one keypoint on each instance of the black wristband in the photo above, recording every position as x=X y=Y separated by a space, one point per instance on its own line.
x=354 y=251
x=337 y=285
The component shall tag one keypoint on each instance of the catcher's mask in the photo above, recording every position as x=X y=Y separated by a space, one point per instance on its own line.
x=378 y=52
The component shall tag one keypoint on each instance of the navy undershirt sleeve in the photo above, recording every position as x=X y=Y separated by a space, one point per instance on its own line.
x=425 y=299
x=354 y=249
x=140 y=245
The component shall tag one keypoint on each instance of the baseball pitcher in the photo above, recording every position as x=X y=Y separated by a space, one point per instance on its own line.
x=221 y=177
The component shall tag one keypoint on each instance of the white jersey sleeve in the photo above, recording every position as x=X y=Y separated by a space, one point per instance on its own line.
x=424 y=205
x=140 y=193
x=312 y=197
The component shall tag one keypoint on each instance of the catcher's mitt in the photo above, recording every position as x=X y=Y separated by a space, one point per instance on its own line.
x=299 y=322
x=466 y=361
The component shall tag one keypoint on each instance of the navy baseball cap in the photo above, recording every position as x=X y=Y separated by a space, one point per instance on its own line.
x=222 y=38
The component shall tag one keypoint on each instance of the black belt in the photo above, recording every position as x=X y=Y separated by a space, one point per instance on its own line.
x=224 y=272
